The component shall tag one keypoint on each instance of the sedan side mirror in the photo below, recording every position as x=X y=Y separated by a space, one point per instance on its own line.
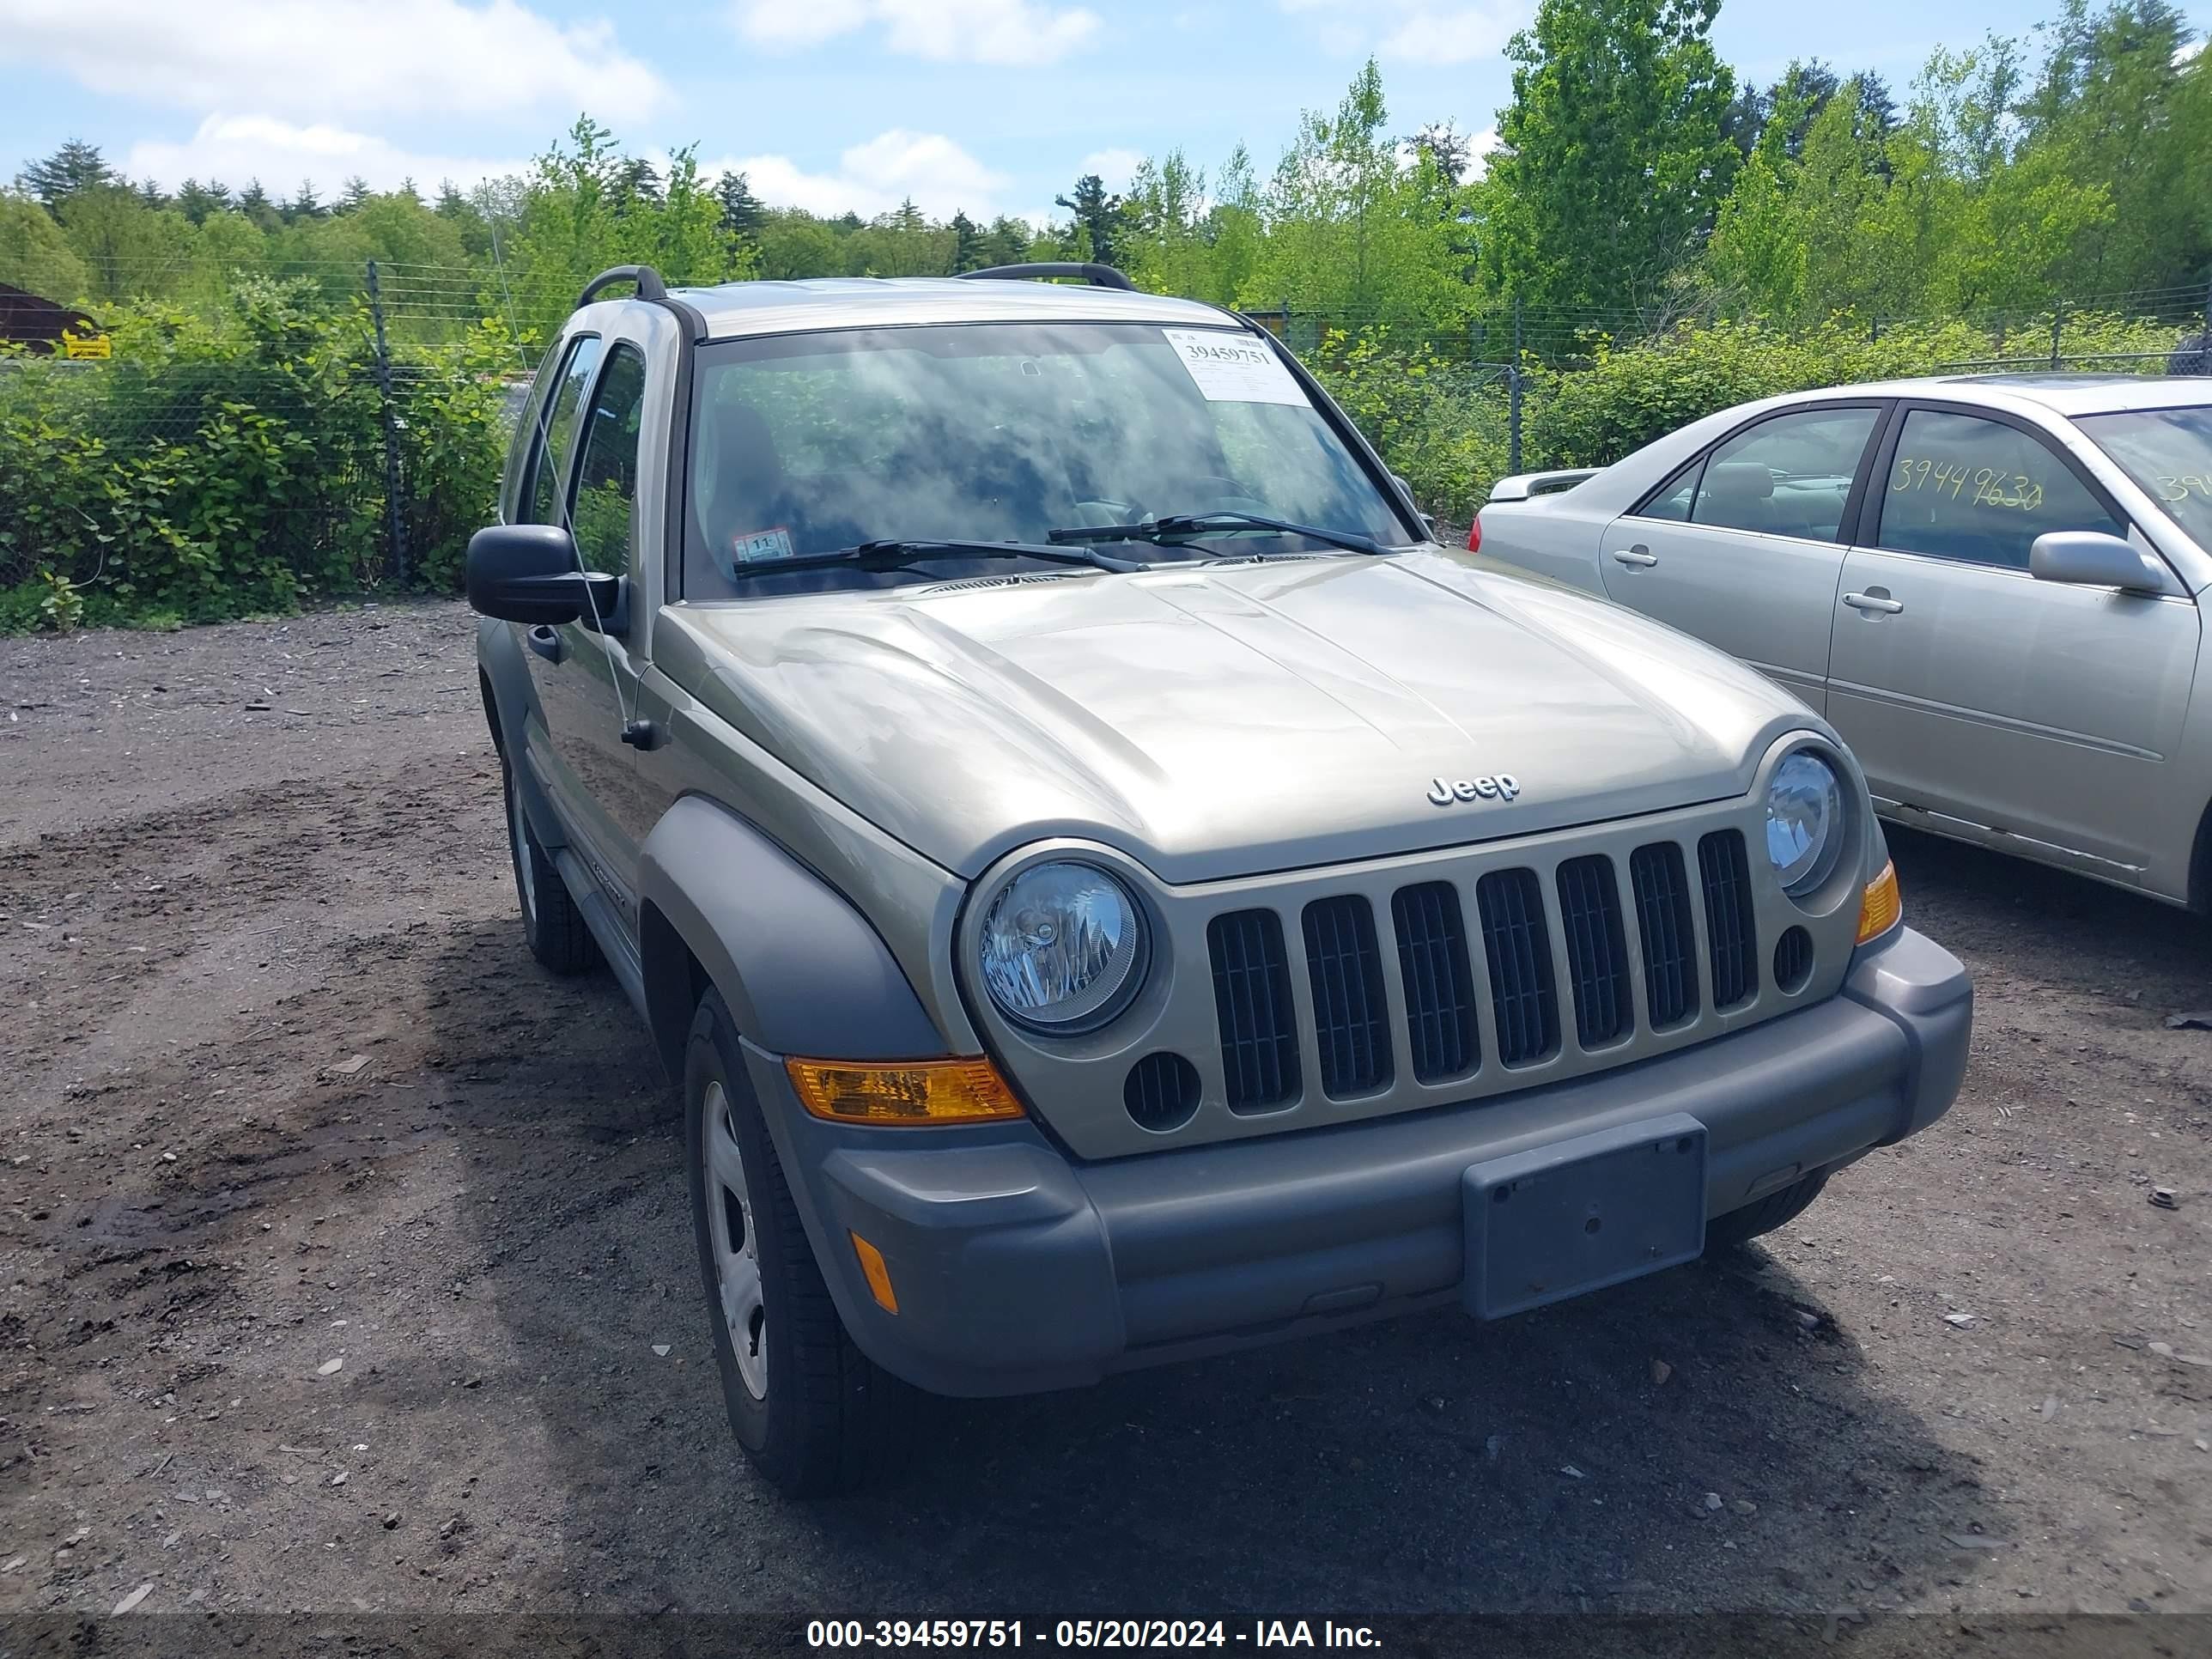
x=529 y=572
x=2092 y=558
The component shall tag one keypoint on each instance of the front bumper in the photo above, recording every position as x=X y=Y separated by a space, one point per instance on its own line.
x=1018 y=1269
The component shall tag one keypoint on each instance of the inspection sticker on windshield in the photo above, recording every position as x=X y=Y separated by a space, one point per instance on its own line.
x=761 y=546
x=1234 y=368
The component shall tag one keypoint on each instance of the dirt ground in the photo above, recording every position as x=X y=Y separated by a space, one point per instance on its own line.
x=347 y=1264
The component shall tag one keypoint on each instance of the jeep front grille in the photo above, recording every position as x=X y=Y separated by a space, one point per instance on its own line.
x=1597 y=950
x=1518 y=948
x=1442 y=983
x=1252 y=1001
x=1727 y=874
x=1439 y=980
x=1349 y=1017
x=1669 y=935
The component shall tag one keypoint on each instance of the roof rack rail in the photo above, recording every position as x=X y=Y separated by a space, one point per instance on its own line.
x=649 y=285
x=1096 y=275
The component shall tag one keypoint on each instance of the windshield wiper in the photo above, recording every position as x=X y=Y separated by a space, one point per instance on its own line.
x=892 y=555
x=1177 y=526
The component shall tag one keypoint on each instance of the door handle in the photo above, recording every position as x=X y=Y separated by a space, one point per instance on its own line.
x=546 y=642
x=1881 y=602
x=1639 y=555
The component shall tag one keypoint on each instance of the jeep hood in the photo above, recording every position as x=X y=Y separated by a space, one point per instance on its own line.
x=1224 y=719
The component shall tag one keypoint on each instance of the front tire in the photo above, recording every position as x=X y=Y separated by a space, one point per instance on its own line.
x=1777 y=1209
x=551 y=923
x=815 y=1416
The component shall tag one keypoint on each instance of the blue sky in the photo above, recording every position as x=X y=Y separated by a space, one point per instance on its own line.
x=992 y=105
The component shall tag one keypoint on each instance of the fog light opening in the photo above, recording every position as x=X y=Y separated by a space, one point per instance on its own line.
x=1793 y=961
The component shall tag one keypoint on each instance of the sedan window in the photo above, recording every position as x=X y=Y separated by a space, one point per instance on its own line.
x=2168 y=452
x=1674 y=496
x=1977 y=490
x=1790 y=475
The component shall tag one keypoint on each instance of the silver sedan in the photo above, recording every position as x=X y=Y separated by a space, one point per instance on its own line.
x=1991 y=586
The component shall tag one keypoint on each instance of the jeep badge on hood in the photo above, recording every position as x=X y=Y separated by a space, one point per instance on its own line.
x=1502 y=787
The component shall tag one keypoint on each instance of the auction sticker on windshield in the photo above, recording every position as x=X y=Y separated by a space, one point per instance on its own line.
x=762 y=546
x=1234 y=368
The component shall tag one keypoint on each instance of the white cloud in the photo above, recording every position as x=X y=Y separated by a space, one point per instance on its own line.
x=1415 y=30
x=784 y=26
x=1477 y=153
x=235 y=149
x=313 y=59
x=943 y=30
x=1455 y=36
x=876 y=177
x=1114 y=167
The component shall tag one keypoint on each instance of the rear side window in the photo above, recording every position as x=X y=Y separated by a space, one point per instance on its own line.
x=542 y=500
x=606 y=477
x=1980 y=491
x=1790 y=476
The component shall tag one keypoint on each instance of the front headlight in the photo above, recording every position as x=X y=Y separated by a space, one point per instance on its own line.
x=1063 y=948
x=1804 y=822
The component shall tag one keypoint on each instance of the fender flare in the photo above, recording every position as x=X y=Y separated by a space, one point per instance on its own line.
x=803 y=972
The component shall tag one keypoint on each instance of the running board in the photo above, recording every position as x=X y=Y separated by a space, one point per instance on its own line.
x=606 y=928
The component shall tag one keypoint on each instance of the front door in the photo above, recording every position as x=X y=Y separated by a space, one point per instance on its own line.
x=587 y=677
x=1968 y=687
x=1741 y=549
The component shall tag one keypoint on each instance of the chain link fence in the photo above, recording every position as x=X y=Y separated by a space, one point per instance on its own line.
x=320 y=428
x=310 y=431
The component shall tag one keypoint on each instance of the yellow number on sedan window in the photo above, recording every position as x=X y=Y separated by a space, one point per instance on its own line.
x=1992 y=486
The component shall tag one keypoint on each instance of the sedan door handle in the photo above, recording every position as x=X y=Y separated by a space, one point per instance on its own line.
x=1888 y=607
x=1637 y=556
x=546 y=642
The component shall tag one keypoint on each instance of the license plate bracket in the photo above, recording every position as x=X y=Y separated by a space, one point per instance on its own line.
x=1581 y=1214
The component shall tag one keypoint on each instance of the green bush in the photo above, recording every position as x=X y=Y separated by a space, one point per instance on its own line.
x=233 y=463
x=233 y=466
x=1624 y=399
x=1439 y=424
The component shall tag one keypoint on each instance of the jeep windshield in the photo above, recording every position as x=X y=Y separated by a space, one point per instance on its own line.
x=805 y=446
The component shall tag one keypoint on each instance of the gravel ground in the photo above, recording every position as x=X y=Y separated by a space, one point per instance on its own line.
x=347 y=1264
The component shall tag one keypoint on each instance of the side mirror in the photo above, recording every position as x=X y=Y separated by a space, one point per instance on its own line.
x=2092 y=558
x=528 y=572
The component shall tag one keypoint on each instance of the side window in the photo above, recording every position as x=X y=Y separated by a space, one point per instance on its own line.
x=1980 y=491
x=541 y=503
x=606 y=476
x=1674 y=496
x=522 y=444
x=1790 y=476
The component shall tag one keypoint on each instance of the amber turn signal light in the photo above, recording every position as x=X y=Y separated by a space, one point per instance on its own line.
x=1880 y=906
x=912 y=1092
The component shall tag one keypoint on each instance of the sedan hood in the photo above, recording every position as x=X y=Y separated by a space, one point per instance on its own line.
x=1215 y=720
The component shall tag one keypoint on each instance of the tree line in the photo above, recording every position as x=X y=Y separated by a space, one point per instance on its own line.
x=1636 y=180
